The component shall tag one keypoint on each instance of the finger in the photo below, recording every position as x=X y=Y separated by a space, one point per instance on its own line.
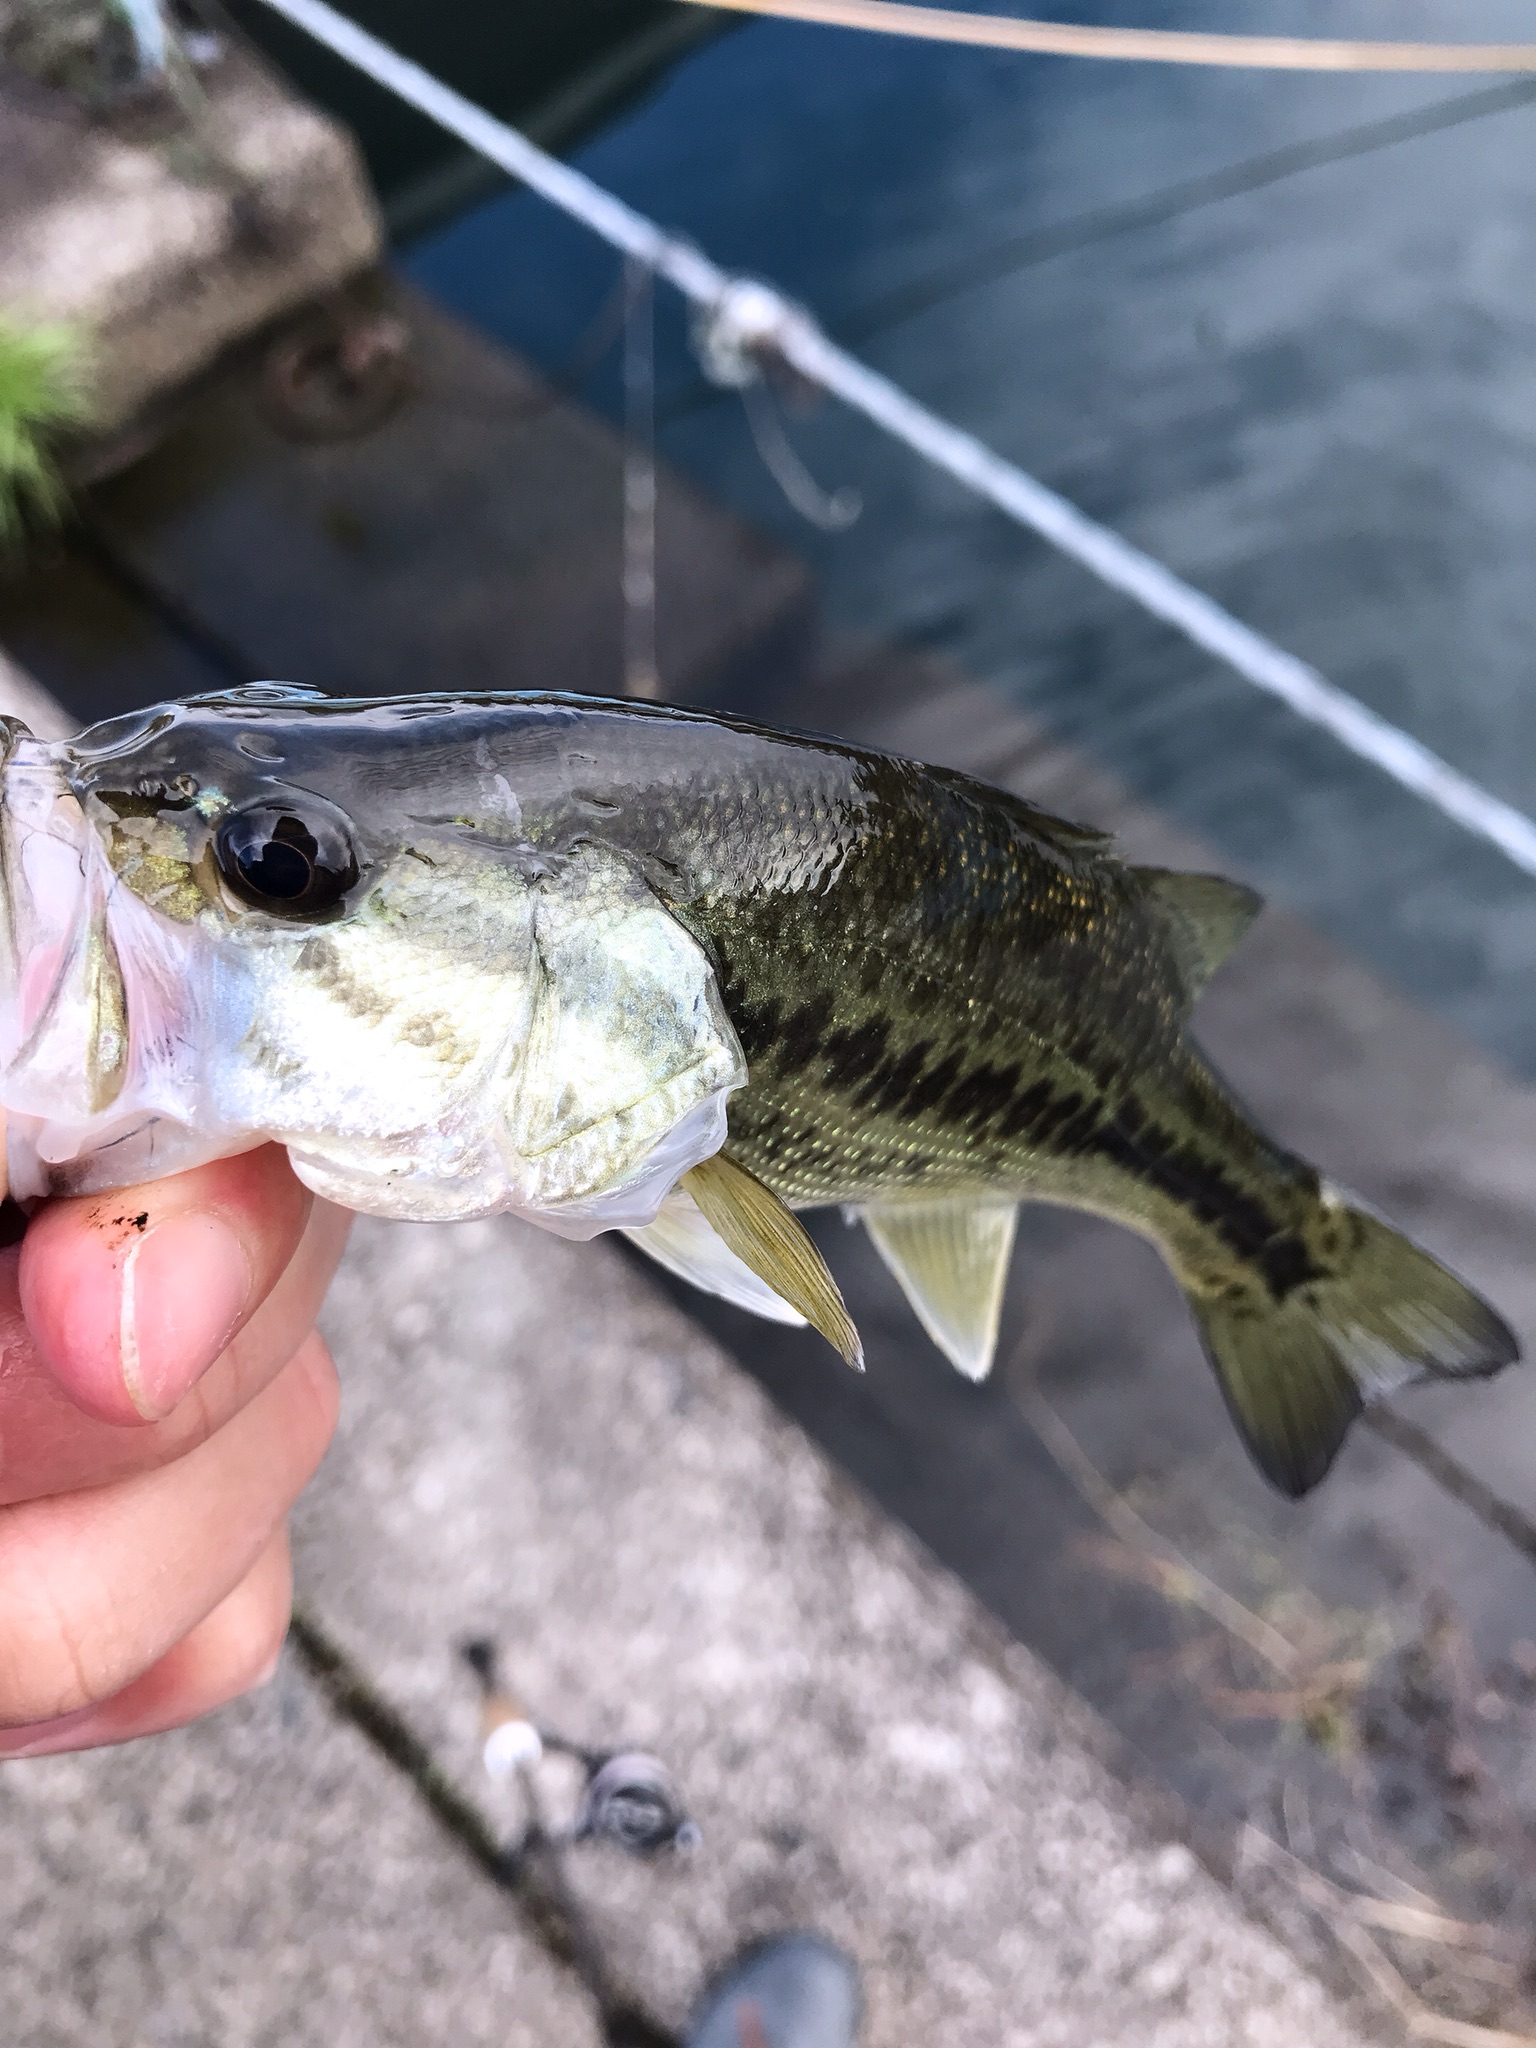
x=130 y=1297
x=231 y=1651
x=96 y=1587
x=48 y=1446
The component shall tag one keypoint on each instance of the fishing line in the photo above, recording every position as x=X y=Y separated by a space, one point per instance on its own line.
x=557 y=386
x=833 y=511
x=729 y=360
x=1145 y=45
x=749 y=316
x=585 y=359
x=639 y=571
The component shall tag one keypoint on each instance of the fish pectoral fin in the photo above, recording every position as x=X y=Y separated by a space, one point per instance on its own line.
x=951 y=1260
x=682 y=1240
x=767 y=1236
x=1207 y=915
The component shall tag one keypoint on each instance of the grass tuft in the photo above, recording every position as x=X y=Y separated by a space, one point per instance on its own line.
x=42 y=394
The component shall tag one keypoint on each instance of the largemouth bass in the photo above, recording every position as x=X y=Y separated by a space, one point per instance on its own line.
x=618 y=966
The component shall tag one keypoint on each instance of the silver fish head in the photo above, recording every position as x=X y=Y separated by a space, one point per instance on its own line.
x=267 y=916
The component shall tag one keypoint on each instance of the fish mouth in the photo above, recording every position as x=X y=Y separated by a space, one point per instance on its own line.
x=101 y=1078
x=70 y=1086
x=63 y=1021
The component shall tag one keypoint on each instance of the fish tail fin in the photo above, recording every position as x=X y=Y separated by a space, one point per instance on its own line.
x=1380 y=1315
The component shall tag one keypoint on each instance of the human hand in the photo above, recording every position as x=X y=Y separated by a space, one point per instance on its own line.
x=163 y=1400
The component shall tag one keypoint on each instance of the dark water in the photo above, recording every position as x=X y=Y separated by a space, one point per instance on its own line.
x=1279 y=330
x=557 y=71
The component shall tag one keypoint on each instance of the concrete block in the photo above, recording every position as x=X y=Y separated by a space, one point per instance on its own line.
x=262 y=1879
x=159 y=263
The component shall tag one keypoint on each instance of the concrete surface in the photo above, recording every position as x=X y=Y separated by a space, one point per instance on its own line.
x=537 y=1447
x=264 y=1880
x=159 y=263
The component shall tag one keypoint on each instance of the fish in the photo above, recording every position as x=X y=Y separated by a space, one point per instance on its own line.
x=620 y=966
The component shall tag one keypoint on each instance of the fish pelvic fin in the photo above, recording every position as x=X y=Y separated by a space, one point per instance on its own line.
x=681 y=1240
x=1381 y=1315
x=1206 y=916
x=767 y=1236
x=951 y=1262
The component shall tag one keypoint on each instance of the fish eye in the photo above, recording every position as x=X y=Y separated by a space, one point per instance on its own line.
x=285 y=860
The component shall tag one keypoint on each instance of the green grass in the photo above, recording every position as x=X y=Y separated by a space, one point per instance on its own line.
x=42 y=394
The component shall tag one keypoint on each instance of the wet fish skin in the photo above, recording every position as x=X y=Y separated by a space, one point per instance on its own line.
x=984 y=1001
x=942 y=996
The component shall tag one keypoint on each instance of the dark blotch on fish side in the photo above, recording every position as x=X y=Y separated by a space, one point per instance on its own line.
x=980 y=1096
x=800 y=1039
x=928 y=1089
x=854 y=1053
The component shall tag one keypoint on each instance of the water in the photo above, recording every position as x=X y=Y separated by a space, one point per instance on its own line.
x=558 y=71
x=1315 y=398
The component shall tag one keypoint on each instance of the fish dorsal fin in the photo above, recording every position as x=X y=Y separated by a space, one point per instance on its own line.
x=686 y=1244
x=766 y=1235
x=1207 y=915
x=951 y=1259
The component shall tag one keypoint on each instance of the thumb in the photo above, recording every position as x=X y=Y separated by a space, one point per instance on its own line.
x=131 y=1296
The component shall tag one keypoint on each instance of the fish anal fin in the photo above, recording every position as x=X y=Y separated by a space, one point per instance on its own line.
x=1207 y=915
x=951 y=1261
x=686 y=1244
x=767 y=1236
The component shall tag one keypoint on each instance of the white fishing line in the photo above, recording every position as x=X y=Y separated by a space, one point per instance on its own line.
x=641 y=675
x=743 y=317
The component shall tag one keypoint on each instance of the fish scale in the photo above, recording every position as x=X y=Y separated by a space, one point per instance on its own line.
x=960 y=940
